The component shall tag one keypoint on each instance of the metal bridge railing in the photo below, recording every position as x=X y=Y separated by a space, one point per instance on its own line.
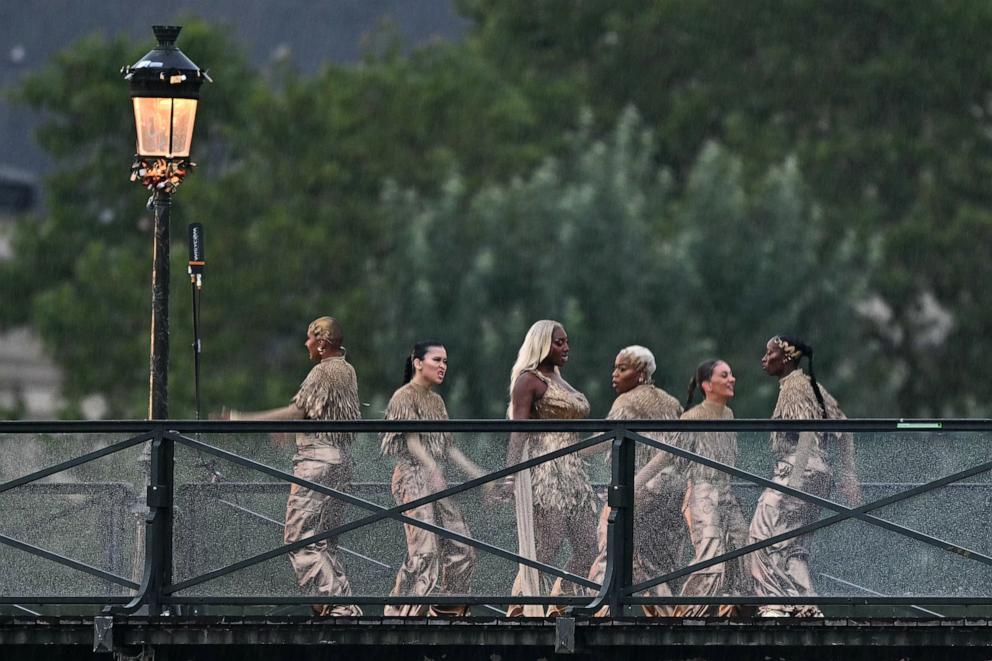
x=158 y=591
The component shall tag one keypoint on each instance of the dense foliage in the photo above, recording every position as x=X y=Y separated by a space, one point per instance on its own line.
x=690 y=176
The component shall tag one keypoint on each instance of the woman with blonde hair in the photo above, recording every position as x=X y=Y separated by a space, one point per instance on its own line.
x=554 y=500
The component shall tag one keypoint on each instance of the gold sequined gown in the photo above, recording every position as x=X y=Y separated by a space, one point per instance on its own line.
x=716 y=524
x=330 y=392
x=433 y=565
x=783 y=569
x=659 y=535
x=564 y=502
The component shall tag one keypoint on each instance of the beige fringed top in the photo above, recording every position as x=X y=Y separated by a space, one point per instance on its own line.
x=562 y=484
x=646 y=402
x=330 y=392
x=413 y=402
x=716 y=445
x=797 y=401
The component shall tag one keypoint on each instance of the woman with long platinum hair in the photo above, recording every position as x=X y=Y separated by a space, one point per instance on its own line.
x=554 y=500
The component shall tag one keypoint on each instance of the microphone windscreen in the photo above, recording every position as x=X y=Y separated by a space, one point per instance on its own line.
x=196 y=242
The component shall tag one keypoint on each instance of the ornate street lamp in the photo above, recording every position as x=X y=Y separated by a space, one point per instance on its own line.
x=165 y=88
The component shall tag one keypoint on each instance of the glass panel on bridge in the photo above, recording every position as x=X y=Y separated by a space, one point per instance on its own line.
x=929 y=541
x=87 y=513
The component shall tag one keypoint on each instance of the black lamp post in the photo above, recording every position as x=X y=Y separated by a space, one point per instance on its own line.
x=165 y=87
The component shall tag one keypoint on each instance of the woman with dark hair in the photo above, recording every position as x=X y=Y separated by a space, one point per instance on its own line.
x=782 y=569
x=716 y=524
x=659 y=536
x=433 y=564
x=558 y=502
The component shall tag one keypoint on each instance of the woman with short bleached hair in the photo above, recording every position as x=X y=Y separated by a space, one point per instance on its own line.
x=659 y=535
x=554 y=500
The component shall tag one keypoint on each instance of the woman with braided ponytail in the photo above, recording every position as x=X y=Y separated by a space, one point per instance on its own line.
x=782 y=569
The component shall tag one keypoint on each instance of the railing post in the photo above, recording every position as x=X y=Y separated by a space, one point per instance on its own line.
x=158 y=527
x=620 y=533
x=618 y=573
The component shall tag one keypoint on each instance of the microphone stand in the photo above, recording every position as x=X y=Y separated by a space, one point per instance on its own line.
x=195 y=270
x=196 y=286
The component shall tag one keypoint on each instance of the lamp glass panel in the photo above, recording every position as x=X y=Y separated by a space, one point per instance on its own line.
x=164 y=126
x=183 y=117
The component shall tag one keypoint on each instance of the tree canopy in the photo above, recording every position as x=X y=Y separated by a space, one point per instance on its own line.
x=694 y=177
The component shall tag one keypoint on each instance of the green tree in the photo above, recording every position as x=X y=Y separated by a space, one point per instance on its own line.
x=885 y=104
x=81 y=270
x=288 y=192
x=599 y=240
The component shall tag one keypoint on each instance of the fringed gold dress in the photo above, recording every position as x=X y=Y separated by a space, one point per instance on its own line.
x=659 y=536
x=783 y=569
x=330 y=392
x=432 y=565
x=716 y=524
x=564 y=504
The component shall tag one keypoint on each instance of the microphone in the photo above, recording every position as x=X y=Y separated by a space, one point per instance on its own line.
x=197 y=263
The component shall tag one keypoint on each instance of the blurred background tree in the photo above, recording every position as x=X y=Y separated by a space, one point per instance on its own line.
x=694 y=177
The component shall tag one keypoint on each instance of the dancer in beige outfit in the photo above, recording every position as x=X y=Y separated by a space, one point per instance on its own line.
x=555 y=501
x=712 y=513
x=659 y=535
x=330 y=392
x=800 y=462
x=433 y=565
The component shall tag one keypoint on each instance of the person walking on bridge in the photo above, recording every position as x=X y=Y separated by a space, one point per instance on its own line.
x=329 y=392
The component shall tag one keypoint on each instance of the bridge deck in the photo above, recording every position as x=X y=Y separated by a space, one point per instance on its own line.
x=488 y=638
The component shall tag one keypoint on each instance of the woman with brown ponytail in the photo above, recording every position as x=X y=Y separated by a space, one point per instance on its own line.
x=716 y=524
x=800 y=462
x=711 y=511
x=433 y=564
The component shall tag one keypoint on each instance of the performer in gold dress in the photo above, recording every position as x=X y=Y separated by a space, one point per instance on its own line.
x=659 y=535
x=433 y=564
x=800 y=462
x=330 y=392
x=555 y=501
x=716 y=524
